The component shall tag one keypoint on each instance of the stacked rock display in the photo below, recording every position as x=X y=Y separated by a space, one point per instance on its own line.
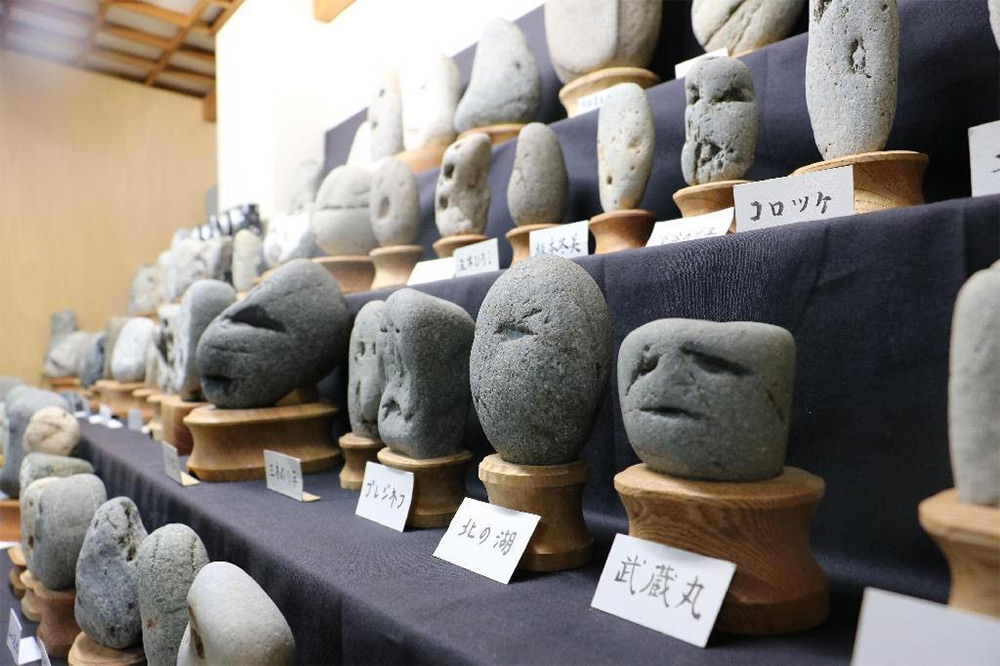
x=394 y=208
x=462 y=196
x=538 y=188
x=740 y=26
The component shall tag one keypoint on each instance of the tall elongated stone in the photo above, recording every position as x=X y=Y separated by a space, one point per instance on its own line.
x=394 y=203
x=538 y=186
x=429 y=86
x=385 y=118
x=462 y=197
x=64 y=513
x=625 y=138
x=128 y=364
x=202 y=303
x=365 y=376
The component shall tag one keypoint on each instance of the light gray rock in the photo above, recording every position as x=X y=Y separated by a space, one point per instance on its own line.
x=164 y=340
x=8 y=382
x=394 y=203
x=541 y=361
x=587 y=35
x=63 y=516
x=721 y=121
x=423 y=343
x=340 y=220
x=505 y=86
x=107 y=578
x=305 y=182
x=288 y=332
x=360 y=154
x=539 y=186
x=852 y=68
x=385 y=118
x=163 y=264
x=994 y=8
x=64 y=357
x=365 y=377
x=429 y=87
x=974 y=389
x=145 y=293
x=462 y=197
x=289 y=237
x=169 y=559
x=90 y=366
x=203 y=301
x=152 y=366
x=625 y=137
x=29 y=512
x=708 y=400
x=743 y=25
x=51 y=430
x=248 y=259
x=61 y=324
x=128 y=361
x=37 y=465
x=201 y=260
x=19 y=410
x=233 y=622
x=112 y=329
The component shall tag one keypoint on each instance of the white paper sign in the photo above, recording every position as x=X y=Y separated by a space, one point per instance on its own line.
x=172 y=466
x=386 y=494
x=592 y=102
x=134 y=420
x=486 y=539
x=689 y=228
x=85 y=412
x=681 y=69
x=564 y=240
x=984 y=158
x=480 y=257
x=43 y=653
x=897 y=629
x=104 y=413
x=432 y=271
x=672 y=591
x=23 y=650
x=284 y=476
x=809 y=196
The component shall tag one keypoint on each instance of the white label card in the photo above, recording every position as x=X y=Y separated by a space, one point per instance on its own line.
x=897 y=629
x=486 y=539
x=284 y=476
x=984 y=158
x=172 y=466
x=564 y=240
x=104 y=413
x=592 y=102
x=672 y=591
x=386 y=494
x=689 y=228
x=432 y=271
x=134 y=420
x=681 y=69
x=23 y=650
x=480 y=257
x=809 y=196
x=43 y=653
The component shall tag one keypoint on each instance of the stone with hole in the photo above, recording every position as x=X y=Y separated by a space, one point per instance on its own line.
x=394 y=203
x=462 y=197
x=625 y=138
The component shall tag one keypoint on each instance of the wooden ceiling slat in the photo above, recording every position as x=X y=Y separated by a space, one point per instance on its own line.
x=95 y=24
x=135 y=36
x=159 y=13
x=124 y=58
x=221 y=19
x=193 y=77
x=178 y=39
x=204 y=56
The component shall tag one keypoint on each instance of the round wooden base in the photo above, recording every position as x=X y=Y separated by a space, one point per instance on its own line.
x=447 y=245
x=554 y=492
x=17 y=567
x=588 y=84
x=394 y=264
x=969 y=537
x=761 y=526
x=519 y=239
x=30 y=606
x=882 y=180
x=229 y=443
x=497 y=134
x=58 y=627
x=263 y=276
x=156 y=416
x=353 y=273
x=118 y=396
x=621 y=230
x=706 y=198
x=438 y=485
x=85 y=651
x=174 y=411
x=57 y=384
x=141 y=397
x=10 y=520
x=422 y=159
x=357 y=451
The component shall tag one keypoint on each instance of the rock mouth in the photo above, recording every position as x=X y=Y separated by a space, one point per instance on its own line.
x=671 y=412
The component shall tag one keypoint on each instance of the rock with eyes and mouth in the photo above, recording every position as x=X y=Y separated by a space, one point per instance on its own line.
x=462 y=197
x=287 y=333
x=429 y=87
x=340 y=219
x=540 y=361
x=365 y=378
x=385 y=118
x=107 y=579
x=62 y=517
x=708 y=400
x=625 y=136
x=394 y=204
x=423 y=345
x=202 y=302
x=852 y=68
x=538 y=187
x=720 y=121
x=743 y=25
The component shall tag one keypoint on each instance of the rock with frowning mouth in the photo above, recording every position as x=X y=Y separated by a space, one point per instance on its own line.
x=365 y=377
x=340 y=220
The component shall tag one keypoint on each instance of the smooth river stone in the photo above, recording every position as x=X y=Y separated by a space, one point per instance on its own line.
x=394 y=203
x=19 y=412
x=587 y=35
x=708 y=400
x=29 y=512
x=248 y=259
x=233 y=622
x=340 y=220
x=360 y=154
x=974 y=389
x=289 y=237
x=37 y=465
x=128 y=363
x=112 y=329
x=462 y=198
x=107 y=578
x=852 y=67
x=424 y=344
x=385 y=118
x=721 y=121
x=365 y=378
x=539 y=186
x=288 y=333
x=541 y=360
x=64 y=357
x=743 y=25
x=51 y=430
x=145 y=292
x=429 y=87
x=625 y=137
x=203 y=301
x=90 y=366
x=505 y=86
x=63 y=516
x=152 y=370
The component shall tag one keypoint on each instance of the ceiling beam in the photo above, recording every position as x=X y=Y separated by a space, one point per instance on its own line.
x=135 y=36
x=94 y=26
x=190 y=20
x=204 y=56
x=226 y=14
x=159 y=13
x=192 y=77
x=123 y=58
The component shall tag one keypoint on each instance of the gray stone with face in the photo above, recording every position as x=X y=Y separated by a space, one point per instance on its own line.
x=462 y=198
x=29 y=512
x=248 y=259
x=19 y=412
x=541 y=360
x=112 y=329
x=145 y=292
x=852 y=68
x=37 y=465
x=51 y=430
x=394 y=203
x=708 y=400
x=288 y=332
x=423 y=343
x=538 y=187
x=625 y=137
x=340 y=221
x=64 y=356
x=305 y=182
x=63 y=516
x=720 y=121
x=128 y=361
x=365 y=378
x=202 y=302
x=743 y=25
x=90 y=366
x=385 y=118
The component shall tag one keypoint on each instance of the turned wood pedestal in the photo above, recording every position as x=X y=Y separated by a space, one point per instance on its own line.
x=707 y=198
x=422 y=159
x=10 y=520
x=438 y=485
x=85 y=651
x=17 y=567
x=882 y=180
x=353 y=273
x=30 y=606
x=588 y=84
x=497 y=133
x=118 y=396
x=57 y=384
x=621 y=230
x=141 y=397
x=445 y=247
x=393 y=264
x=519 y=239
x=357 y=451
x=156 y=416
x=173 y=412
x=58 y=627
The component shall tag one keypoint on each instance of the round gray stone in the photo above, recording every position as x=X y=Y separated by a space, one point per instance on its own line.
x=19 y=412
x=289 y=237
x=539 y=186
x=51 y=430
x=202 y=302
x=64 y=356
x=462 y=198
x=394 y=203
x=340 y=220
x=90 y=367
x=743 y=25
x=625 y=137
x=430 y=88
x=365 y=378
x=248 y=259
x=63 y=516
x=112 y=329
x=61 y=323
x=29 y=513
x=385 y=118
x=128 y=363
x=145 y=292
x=37 y=465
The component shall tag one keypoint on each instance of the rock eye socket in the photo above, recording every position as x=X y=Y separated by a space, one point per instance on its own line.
x=514 y=330
x=715 y=364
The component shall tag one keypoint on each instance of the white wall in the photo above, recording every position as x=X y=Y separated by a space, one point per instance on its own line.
x=285 y=78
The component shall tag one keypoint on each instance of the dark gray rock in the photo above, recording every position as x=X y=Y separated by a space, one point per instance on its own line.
x=37 y=465
x=107 y=578
x=63 y=516
x=743 y=25
x=128 y=361
x=340 y=221
x=52 y=430
x=429 y=86
x=19 y=413
x=625 y=137
x=248 y=259
x=394 y=203
x=385 y=118
x=289 y=237
x=708 y=400
x=365 y=378
x=202 y=302
x=64 y=356
x=145 y=292
x=29 y=513
x=538 y=187
x=541 y=360
x=462 y=198
x=287 y=333
x=112 y=329
x=90 y=367
x=424 y=344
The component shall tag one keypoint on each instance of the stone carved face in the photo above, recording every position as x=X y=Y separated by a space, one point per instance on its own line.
x=462 y=197
x=365 y=379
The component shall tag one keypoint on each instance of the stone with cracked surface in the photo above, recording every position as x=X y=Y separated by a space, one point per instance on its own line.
x=37 y=465
x=743 y=25
x=164 y=341
x=145 y=292
x=289 y=237
x=248 y=259
x=64 y=356
x=340 y=220
x=19 y=411
x=385 y=118
x=538 y=186
x=429 y=87
x=365 y=377
x=90 y=366
x=64 y=512
x=51 y=430
x=202 y=303
x=462 y=197
x=128 y=361
x=394 y=203
x=625 y=138
x=29 y=512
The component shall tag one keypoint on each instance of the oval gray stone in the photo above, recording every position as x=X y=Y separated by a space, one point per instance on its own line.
x=743 y=25
x=64 y=356
x=429 y=86
x=29 y=512
x=540 y=361
x=340 y=221
x=385 y=118
x=365 y=378
x=90 y=366
x=51 y=430
x=539 y=186
x=708 y=400
x=462 y=198
x=394 y=203
x=128 y=364
x=19 y=412
x=64 y=513
x=145 y=292
x=202 y=303
x=625 y=138
x=112 y=329
x=37 y=465
x=852 y=67
x=248 y=259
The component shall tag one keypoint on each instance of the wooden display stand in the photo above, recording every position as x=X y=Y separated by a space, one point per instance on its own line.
x=438 y=485
x=422 y=159
x=519 y=239
x=10 y=520
x=882 y=180
x=393 y=264
x=31 y=608
x=447 y=245
x=118 y=396
x=141 y=396
x=353 y=273
x=88 y=652
x=969 y=537
x=229 y=443
x=707 y=198
x=357 y=450
x=175 y=431
x=57 y=384
x=263 y=276
x=17 y=567
x=602 y=79
x=497 y=134
x=156 y=416
x=761 y=526
x=58 y=627
x=621 y=230
x=554 y=492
